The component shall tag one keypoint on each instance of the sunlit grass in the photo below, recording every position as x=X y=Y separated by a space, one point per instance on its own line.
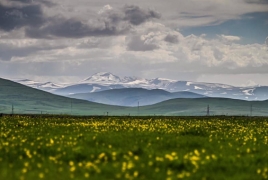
x=133 y=148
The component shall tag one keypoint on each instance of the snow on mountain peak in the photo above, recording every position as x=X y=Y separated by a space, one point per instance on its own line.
x=27 y=81
x=102 y=77
x=105 y=80
x=49 y=86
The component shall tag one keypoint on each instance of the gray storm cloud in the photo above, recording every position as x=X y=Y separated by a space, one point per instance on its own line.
x=172 y=39
x=73 y=28
x=38 y=25
x=110 y=23
x=136 y=16
x=136 y=43
x=44 y=2
x=16 y=17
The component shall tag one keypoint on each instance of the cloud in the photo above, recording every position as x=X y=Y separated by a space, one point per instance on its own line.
x=43 y=2
x=105 y=9
x=149 y=46
x=109 y=23
x=230 y=38
x=203 y=13
x=137 y=43
x=7 y=52
x=257 y=1
x=23 y=48
x=198 y=54
x=16 y=17
x=223 y=57
x=176 y=14
x=94 y=43
x=176 y=61
x=171 y=38
x=73 y=28
x=136 y=16
x=125 y=40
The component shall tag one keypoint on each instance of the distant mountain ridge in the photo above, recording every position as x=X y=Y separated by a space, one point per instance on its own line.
x=27 y=100
x=106 y=81
x=133 y=96
x=46 y=86
x=103 y=77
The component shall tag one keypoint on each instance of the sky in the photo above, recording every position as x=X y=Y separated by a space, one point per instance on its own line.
x=220 y=41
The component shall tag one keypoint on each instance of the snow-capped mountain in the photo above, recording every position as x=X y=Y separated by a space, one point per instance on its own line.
x=103 y=78
x=105 y=81
x=46 y=86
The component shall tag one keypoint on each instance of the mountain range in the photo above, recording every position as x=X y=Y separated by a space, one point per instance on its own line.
x=133 y=96
x=108 y=81
x=26 y=100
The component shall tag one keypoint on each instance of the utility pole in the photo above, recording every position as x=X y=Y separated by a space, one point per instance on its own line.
x=12 y=109
x=208 y=110
x=251 y=109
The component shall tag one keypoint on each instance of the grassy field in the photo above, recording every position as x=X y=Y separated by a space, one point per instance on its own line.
x=164 y=148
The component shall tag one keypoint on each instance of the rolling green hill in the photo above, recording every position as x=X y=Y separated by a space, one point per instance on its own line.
x=217 y=106
x=133 y=96
x=26 y=100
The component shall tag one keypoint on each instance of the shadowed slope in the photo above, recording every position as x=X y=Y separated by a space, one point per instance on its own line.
x=133 y=96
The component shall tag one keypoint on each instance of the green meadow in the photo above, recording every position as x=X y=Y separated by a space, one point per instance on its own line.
x=164 y=148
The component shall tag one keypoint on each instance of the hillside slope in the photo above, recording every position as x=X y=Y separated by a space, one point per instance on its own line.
x=29 y=100
x=133 y=96
x=217 y=106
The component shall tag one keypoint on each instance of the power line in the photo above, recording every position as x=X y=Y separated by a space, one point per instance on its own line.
x=138 y=107
x=71 y=107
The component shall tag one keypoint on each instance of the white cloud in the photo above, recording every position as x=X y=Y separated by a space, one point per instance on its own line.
x=105 y=9
x=229 y=38
x=152 y=49
x=191 y=54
